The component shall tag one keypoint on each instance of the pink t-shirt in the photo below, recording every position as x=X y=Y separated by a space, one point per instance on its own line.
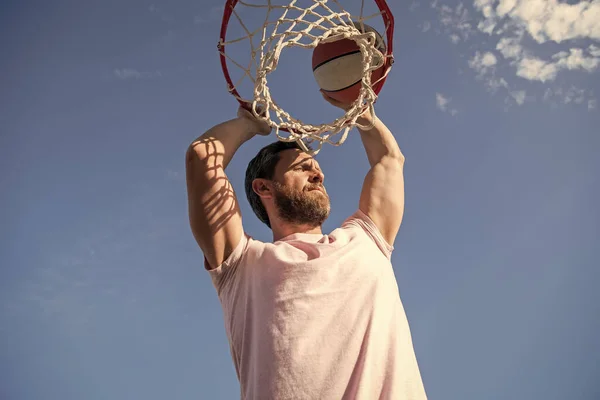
x=316 y=316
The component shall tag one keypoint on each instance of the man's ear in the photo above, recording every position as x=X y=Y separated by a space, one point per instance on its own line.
x=262 y=188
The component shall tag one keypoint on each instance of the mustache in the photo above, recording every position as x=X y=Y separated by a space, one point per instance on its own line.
x=312 y=187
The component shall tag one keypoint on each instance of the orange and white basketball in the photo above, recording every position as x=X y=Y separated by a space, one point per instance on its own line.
x=337 y=67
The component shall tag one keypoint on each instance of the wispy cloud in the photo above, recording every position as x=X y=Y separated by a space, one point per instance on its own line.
x=547 y=20
x=483 y=62
x=542 y=21
x=213 y=14
x=443 y=104
x=174 y=175
x=160 y=13
x=167 y=20
x=506 y=37
x=130 y=73
x=537 y=69
x=569 y=95
x=456 y=22
x=519 y=96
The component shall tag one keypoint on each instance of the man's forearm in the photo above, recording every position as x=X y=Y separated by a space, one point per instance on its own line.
x=379 y=142
x=221 y=142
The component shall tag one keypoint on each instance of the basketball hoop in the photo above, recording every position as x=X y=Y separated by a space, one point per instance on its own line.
x=313 y=24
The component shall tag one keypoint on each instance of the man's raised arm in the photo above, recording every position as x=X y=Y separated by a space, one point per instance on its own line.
x=382 y=196
x=214 y=212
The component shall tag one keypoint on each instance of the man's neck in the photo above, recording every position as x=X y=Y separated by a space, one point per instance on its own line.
x=279 y=232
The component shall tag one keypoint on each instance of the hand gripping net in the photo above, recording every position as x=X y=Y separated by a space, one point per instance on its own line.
x=312 y=25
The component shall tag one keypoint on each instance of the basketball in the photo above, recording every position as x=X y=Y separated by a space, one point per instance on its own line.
x=337 y=67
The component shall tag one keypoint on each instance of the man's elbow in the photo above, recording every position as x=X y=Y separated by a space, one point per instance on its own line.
x=392 y=162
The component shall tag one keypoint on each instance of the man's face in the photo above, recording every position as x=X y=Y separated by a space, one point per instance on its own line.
x=299 y=194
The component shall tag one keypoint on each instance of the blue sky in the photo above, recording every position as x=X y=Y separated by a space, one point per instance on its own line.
x=102 y=289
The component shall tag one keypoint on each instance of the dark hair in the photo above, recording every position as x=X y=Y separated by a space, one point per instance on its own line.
x=262 y=166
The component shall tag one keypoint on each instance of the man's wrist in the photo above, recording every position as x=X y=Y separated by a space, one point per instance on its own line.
x=246 y=128
x=366 y=119
x=366 y=123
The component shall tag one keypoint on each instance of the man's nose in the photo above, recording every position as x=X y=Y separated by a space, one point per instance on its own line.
x=317 y=177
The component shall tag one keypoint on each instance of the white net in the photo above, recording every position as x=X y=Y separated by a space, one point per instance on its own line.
x=294 y=25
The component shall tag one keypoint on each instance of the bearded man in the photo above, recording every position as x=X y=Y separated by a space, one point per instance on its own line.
x=308 y=315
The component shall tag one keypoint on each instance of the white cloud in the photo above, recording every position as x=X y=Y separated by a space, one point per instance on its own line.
x=519 y=96
x=545 y=20
x=130 y=73
x=485 y=6
x=174 y=175
x=485 y=66
x=575 y=59
x=162 y=15
x=443 y=104
x=481 y=62
x=516 y=28
x=510 y=47
x=536 y=69
x=127 y=73
x=505 y=6
x=550 y=20
x=494 y=83
x=574 y=95
x=570 y=95
x=456 y=21
x=215 y=13
x=486 y=26
x=508 y=44
x=441 y=101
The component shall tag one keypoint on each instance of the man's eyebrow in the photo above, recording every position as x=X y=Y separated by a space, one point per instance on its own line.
x=310 y=162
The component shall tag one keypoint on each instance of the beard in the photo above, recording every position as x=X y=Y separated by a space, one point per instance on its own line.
x=302 y=207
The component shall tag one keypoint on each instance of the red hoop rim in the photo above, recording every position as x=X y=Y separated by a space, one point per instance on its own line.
x=386 y=15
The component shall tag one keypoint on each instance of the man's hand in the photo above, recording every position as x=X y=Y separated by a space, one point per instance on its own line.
x=255 y=125
x=366 y=119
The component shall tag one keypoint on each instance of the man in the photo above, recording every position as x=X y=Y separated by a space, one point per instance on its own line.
x=310 y=315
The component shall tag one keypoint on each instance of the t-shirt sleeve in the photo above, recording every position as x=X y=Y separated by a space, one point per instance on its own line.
x=361 y=220
x=227 y=270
